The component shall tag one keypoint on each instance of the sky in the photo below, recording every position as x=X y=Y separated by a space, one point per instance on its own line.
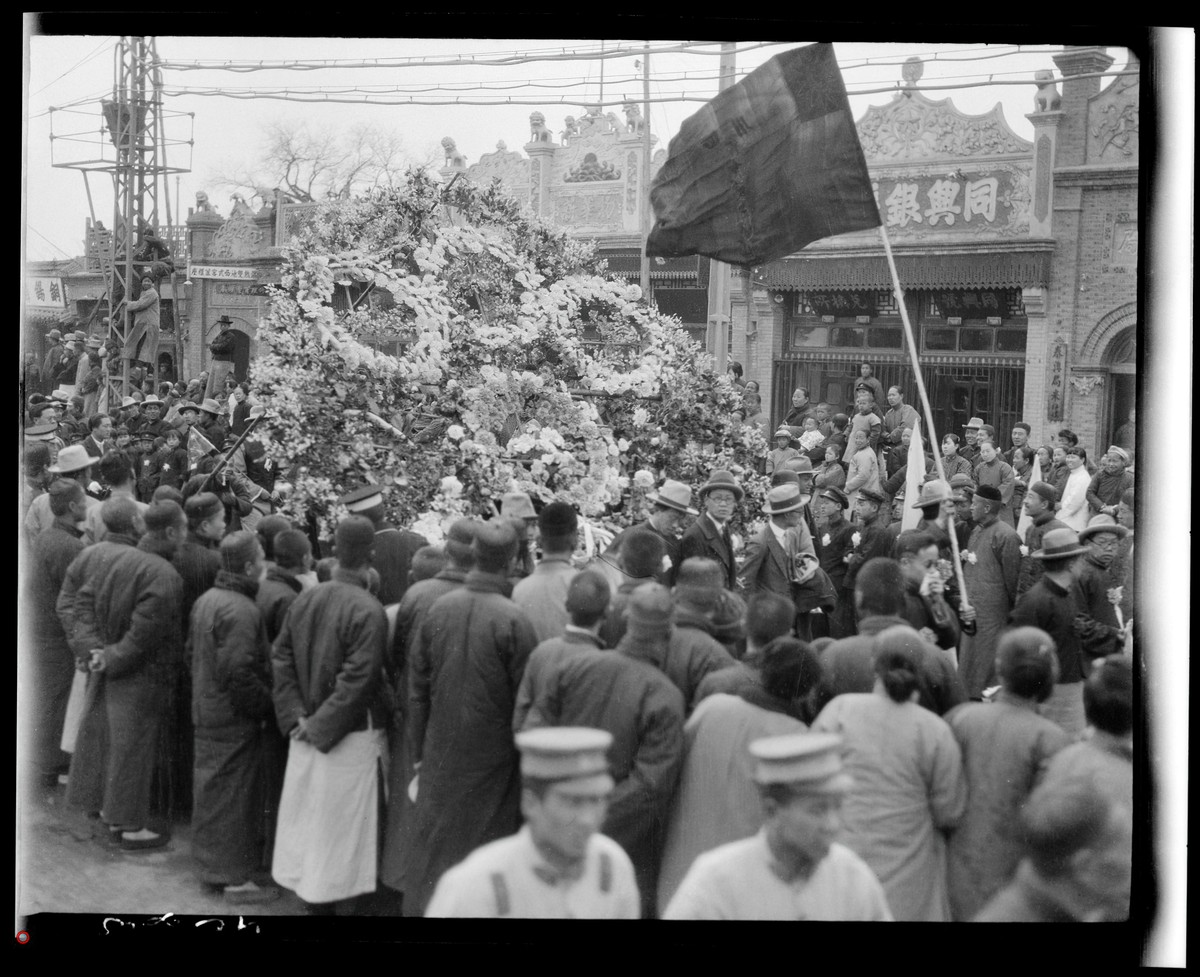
x=227 y=132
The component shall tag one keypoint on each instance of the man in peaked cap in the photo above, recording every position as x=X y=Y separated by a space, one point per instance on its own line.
x=709 y=535
x=543 y=594
x=792 y=869
x=394 y=548
x=990 y=571
x=558 y=866
x=672 y=505
x=1050 y=605
x=837 y=542
x=626 y=693
x=1039 y=506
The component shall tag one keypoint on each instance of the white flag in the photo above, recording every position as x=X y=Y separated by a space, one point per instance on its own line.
x=1035 y=475
x=914 y=479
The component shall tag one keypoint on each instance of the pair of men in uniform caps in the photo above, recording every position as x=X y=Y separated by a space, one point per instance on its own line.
x=559 y=866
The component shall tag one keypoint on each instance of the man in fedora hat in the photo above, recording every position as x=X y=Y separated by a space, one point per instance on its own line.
x=212 y=422
x=222 y=348
x=73 y=462
x=970 y=450
x=709 y=535
x=671 y=505
x=793 y=868
x=782 y=555
x=559 y=865
x=148 y=423
x=1050 y=605
x=991 y=568
x=1097 y=591
x=626 y=693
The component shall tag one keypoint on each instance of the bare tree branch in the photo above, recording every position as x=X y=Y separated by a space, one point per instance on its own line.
x=310 y=165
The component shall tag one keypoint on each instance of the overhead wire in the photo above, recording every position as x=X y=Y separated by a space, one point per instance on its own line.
x=80 y=64
x=443 y=61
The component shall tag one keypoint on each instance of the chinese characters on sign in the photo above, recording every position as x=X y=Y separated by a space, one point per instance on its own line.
x=933 y=201
x=227 y=273
x=971 y=303
x=1058 y=375
x=44 y=293
x=842 y=303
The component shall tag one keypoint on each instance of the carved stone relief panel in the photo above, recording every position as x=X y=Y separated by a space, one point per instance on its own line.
x=511 y=168
x=1113 y=123
x=589 y=211
x=239 y=237
x=913 y=127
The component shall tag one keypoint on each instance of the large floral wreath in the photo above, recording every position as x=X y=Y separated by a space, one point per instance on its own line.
x=526 y=368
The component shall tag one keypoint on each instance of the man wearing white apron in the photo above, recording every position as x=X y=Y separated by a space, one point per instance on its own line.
x=328 y=669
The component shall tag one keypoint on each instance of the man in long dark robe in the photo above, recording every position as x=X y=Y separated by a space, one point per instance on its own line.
x=409 y=615
x=231 y=712
x=465 y=668
x=47 y=655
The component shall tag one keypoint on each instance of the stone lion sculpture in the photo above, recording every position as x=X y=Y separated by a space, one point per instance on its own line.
x=454 y=159
x=633 y=118
x=203 y=206
x=1047 y=98
x=537 y=128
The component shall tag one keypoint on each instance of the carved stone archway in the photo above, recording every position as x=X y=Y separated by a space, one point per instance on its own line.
x=1105 y=331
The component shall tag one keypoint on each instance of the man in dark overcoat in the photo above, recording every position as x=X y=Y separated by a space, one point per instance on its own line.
x=465 y=668
x=120 y=606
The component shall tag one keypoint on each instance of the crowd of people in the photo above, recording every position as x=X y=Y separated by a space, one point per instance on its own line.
x=821 y=720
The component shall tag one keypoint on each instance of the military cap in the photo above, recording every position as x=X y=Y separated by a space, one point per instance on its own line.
x=872 y=496
x=811 y=762
x=564 y=753
x=363 y=498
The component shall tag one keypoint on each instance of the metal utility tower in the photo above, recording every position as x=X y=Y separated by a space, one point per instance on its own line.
x=132 y=125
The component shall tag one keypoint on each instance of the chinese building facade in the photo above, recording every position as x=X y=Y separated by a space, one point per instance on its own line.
x=1017 y=260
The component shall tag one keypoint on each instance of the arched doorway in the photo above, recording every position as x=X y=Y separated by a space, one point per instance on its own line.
x=1121 y=402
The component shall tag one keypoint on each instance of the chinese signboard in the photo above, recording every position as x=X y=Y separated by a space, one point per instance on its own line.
x=972 y=303
x=225 y=273
x=950 y=201
x=841 y=303
x=44 y=293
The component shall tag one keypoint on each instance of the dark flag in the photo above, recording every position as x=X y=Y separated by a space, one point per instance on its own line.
x=768 y=166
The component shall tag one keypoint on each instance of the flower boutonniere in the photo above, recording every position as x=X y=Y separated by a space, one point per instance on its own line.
x=1115 y=595
x=825 y=540
x=1024 y=550
x=969 y=557
x=856 y=538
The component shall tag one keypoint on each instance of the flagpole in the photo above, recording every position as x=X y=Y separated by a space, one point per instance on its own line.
x=718 y=271
x=646 y=222
x=921 y=392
